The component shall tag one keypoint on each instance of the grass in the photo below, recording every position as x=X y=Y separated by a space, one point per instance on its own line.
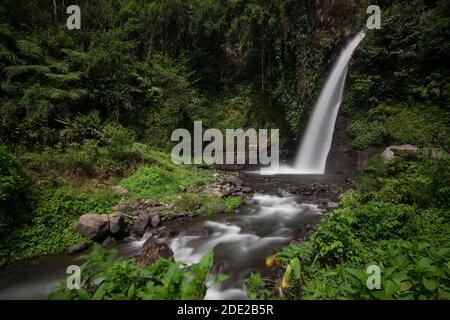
x=49 y=230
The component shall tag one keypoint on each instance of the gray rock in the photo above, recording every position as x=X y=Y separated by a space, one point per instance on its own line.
x=247 y=190
x=249 y=201
x=77 y=249
x=235 y=181
x=153 y=250
x=108 y=242
x=227 y=191
x=155 y=221
x=117 y=224
x=93 y=226
x=332 y=206
x=334 y=189
x=141 y=223
x=405 y=150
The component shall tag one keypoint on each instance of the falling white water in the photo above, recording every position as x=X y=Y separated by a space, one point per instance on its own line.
x=316 y=142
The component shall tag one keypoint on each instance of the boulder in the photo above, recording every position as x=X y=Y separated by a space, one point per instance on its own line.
x=117 y=224
x=155 y=221
x=405 y=150
x=227 y=191
x=235 y=181
x=141 y=223
x=108 y=242
x=93 y=226
x=247 y=190
x=153 y=250
x=332 y=206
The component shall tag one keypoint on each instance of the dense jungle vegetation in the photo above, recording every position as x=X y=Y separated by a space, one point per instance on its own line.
x=84 y=110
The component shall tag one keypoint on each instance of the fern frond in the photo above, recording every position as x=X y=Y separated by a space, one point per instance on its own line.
x=8 y=56
x=63 y=78
x=73 y=53
x=14 y=71
x=29 y=49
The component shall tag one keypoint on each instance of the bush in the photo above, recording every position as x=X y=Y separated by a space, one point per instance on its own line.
x=49 y=230
x=397 y=220
x=15 y=193
x=106 y=277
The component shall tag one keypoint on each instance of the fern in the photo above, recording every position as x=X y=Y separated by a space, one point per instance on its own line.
x=14 y=71
x=58 y=66
x=8 y=56
x=72 y=53
x=63 y=78
x=29 y=49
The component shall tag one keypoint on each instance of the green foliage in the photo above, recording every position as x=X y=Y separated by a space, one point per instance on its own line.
x=106 y=277
x=396 y=123
x=398 y=82
x=151 y=182
x=397 y=219
x=50 y=229
x=15 y=192
x=231 y=203
x=256 y=287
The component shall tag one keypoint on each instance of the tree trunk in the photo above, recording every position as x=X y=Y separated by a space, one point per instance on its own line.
x=55 y=10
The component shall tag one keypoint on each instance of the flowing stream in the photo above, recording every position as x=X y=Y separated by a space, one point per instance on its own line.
x=34 y=280
x=242 y=243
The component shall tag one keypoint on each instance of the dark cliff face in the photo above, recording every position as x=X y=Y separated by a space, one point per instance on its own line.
x=343 y=158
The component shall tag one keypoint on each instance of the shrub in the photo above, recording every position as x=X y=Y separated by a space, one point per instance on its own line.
x=15 y=192
x=106 y=277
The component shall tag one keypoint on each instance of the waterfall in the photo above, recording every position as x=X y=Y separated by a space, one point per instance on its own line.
x=316 y=143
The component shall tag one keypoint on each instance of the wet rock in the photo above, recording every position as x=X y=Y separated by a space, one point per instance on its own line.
x=350 y=181
x=153 y=250
x=108 y=242
x=334 y=189
x=309 y=227
x=332 y=206
x=249 y=201
x=77 y=249
x=141 y=223
x=227 y=191
x=235 y=181
x=155 y=221
x=93 y=226
x=247 y=190
x=120 y=190
x=173 y=233
x=117 y=224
